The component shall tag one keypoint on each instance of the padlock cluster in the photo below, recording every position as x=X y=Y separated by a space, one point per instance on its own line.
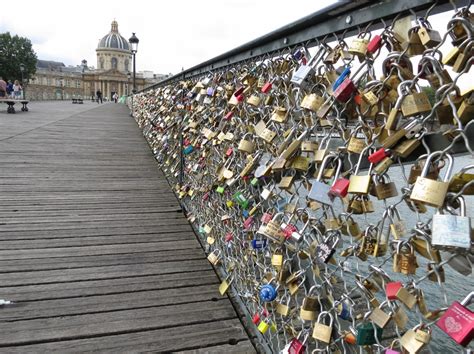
x=292 y=167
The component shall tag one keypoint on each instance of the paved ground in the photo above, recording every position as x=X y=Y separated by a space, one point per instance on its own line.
x=94 y=249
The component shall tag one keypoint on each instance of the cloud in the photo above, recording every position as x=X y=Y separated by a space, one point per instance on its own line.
x=173 y=34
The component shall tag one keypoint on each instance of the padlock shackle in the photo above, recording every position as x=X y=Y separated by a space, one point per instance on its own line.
x=468 y=299
x=426 y=167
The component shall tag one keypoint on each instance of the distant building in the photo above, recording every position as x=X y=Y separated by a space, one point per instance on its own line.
x=55 y=81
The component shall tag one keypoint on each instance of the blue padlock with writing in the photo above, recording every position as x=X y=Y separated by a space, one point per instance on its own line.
x=346 y=72
x=268 y=293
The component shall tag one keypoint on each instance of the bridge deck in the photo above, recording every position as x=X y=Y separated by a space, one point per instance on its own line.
x=94 y=249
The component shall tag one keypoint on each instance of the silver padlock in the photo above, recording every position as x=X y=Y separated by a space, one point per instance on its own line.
x=452 y=231
x=319 y=190
x=297 y=236
x=304 y=72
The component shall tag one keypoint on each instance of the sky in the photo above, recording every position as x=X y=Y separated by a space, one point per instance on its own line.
x=172 y=34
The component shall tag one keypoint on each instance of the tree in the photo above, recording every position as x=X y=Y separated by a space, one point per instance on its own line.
x=13 y=52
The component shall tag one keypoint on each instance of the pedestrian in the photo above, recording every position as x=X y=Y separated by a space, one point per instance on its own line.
x=17 y=90
x=99 y=96
x=3 y=88
x=10 y=89
x=115 y=97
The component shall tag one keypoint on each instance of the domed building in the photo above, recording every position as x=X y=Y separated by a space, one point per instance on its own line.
x=54 y=80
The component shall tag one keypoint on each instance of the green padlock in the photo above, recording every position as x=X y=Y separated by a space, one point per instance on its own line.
x=220 y=189
x=366 y=333
x=241 y=200
x=254 y=181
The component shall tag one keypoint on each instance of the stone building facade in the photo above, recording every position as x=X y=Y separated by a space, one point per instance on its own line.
x=55 y=81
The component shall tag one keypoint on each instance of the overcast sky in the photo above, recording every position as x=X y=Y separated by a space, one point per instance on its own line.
x=172 y=34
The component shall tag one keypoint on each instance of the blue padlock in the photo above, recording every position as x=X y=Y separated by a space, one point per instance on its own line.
x=245 y=214
x=344 y=312
x=188 y=149
x=258 y=243
x=346 y=72
x=268 y=293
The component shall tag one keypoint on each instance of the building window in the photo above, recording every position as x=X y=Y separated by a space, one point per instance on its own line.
x=78 y=84
x=126 y=65
x=101 y=63
x=114 y=63
x=68 y=83
x=48 y=81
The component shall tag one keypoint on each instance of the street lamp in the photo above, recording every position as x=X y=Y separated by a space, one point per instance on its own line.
x=133 y=45
x=22 y=69
x=129 y=75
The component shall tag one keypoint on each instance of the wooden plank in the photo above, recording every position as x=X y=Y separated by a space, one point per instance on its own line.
x=91 y=232
x=102 y=272
x=91 y=241
x=96 y=250
x=36 y=264
x=161 y=340
x=108 y=286
x=106 y=303
x=118 y=322
x=242 y=347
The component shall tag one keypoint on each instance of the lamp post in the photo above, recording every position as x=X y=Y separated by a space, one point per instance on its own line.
x=22 y=69
x=133 y=47
x=61 y=85
x=129 y=75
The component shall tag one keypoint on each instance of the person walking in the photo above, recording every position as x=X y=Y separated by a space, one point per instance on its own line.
x=115 y=97
x=99 y=96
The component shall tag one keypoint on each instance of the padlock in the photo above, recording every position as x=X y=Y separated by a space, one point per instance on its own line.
x=459 y=181
x=428 y=37
x=379 y=317
x=428 y=191
x=379 y=155
x=465 y=111
x=356 y=145
x=310 y=306
x=298 y=344
x=458 y=321
x=304 y=73
x=367 y=333
x=383 y=187
x=406 y=297
x=349 y=226
x=312 y=102
x=322 y=331
x=283 y=306
x=359 y=46
x=360 y=184
x=374 y=44
x=410 y=343
x=264 y=326
x=326 y=249
x=452 y=231
x=319 y=190
x=246 y=146
x=268 y=292
x=272 y=229
x=345 y=90
x=279 y=115
x=214 y=257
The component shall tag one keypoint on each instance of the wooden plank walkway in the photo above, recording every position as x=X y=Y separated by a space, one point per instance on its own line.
x=94 y=249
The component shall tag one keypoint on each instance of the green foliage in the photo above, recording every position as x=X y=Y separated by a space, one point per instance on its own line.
x=430 y=92
x=13 y=52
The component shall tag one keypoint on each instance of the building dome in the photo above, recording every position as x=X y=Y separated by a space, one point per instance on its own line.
x=114 y=40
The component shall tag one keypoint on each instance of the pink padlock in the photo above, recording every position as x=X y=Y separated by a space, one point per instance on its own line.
x=391 y=289
x=267 y=87
x=391 y=351
x=248 y=223
x=458 y=321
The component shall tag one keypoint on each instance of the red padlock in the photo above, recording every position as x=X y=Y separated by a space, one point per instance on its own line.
x=345 y=90
x=239 y=91
x=296 y=347
x=339 y=188
x=458 y=321
x=374 y=44
x=379 y=155
x=267 y=87
x=391 y=289
x=229 y=237
x=240 y=97
x=229 y=152
x=229 y=115
x=256 y=318
x=288 y=230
